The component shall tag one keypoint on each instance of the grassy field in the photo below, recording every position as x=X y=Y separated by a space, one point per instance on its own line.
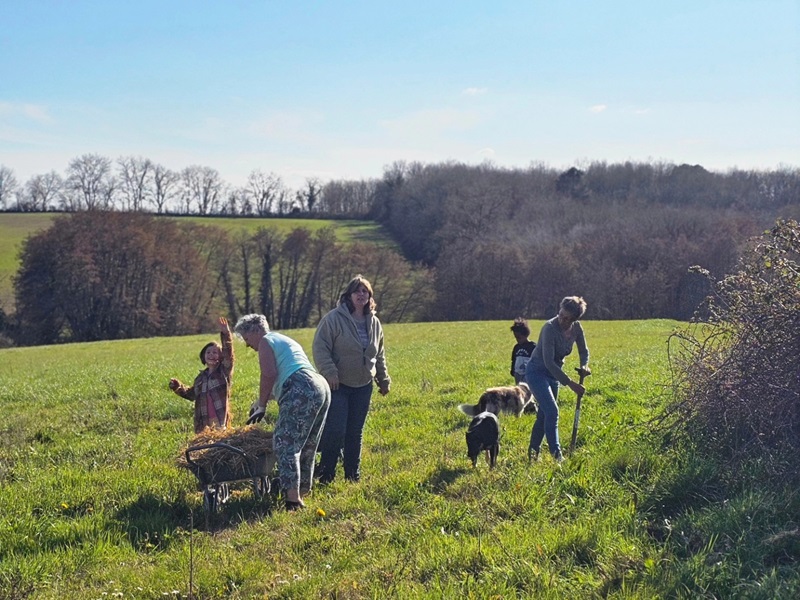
x=16 y=227
x=93 y=505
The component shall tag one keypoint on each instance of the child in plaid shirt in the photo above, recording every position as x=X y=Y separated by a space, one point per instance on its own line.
x=211 y=391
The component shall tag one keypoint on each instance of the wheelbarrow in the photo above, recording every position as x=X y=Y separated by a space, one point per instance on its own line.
x=215 y=479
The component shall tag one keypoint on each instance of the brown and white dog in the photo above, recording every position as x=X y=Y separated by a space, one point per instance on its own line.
x=510 y=399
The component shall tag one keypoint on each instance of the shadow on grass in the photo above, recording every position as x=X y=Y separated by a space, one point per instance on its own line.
x=242 y=506
x=367 y=232
x=151 y=522
x=15 y=586
x=443 y=477
x=688 y=489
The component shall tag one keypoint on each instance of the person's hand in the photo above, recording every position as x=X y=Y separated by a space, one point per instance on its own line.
x=173 y=384
x=585 y=371
x=333 y=381
x=383 y=389
x=577 y=388
x=256 y=413
x=223 y=325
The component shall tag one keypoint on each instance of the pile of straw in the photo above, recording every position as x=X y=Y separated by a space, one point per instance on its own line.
x=251 y=439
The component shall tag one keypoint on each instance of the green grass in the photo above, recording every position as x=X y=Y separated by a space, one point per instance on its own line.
x=346 y=230
x=16 y=227
x=93 y=505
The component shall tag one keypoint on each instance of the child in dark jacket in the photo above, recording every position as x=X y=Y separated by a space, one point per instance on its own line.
x=211 y=391
x=523 y=349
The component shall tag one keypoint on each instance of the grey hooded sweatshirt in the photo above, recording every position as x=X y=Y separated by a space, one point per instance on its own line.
x=338 y=351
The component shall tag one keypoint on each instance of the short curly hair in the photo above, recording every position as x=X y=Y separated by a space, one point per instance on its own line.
x=253 y=322
x=521 y=326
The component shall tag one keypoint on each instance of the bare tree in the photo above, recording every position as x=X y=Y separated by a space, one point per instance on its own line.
x=267 y=191
x=134 y=178
x=203 y=187
x=236 y=201
x=8 y=185
x=268 y=243
x=41 y=192
x=351 y=198
x=165 y=183
x=309 y=196
x=89 y=184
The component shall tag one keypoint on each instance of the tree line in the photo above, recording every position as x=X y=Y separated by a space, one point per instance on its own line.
x=508 y=242
x=138 y=184
x=489 y=242
x=109 y=275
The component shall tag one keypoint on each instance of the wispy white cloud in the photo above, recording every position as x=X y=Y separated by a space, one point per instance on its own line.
x=33 y=112
x=598 y=108
x=475 y=91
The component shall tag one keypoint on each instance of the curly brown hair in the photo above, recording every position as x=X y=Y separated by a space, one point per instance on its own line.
x=521 y=326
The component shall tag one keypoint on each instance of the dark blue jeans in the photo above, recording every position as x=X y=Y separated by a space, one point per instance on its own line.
x=545 y=389
x=344 y=430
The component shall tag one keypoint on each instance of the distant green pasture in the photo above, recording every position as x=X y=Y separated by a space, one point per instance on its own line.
x=16 y=227
x=346 y=231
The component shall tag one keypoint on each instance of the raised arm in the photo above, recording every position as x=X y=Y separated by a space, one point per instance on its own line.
x=226 y=338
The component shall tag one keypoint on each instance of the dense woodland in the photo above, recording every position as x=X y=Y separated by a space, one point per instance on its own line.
x=477 y=242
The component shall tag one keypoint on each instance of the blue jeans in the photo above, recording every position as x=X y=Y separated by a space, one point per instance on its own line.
x=344 y=431
x=545 y=389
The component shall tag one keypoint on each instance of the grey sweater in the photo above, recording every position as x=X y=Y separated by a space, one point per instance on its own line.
x=554 y=345
x=338 y=351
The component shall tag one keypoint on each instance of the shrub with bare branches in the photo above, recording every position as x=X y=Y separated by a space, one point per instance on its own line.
x=737 y=369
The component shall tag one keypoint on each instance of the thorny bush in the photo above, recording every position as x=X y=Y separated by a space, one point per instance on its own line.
x=736 y=369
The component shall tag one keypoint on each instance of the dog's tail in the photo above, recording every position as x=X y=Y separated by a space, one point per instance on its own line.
x=469 y=409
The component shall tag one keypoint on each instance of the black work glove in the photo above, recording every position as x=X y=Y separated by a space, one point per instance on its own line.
x=256 y=413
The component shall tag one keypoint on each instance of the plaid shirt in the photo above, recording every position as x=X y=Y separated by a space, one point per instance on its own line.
x=215 y=386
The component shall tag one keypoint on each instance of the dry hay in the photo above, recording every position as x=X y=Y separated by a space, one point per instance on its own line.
x=253 y=440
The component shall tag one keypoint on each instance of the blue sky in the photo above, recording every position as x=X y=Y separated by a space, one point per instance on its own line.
x=337 y=90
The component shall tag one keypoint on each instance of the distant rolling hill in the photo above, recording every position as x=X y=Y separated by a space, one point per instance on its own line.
x=16 y=227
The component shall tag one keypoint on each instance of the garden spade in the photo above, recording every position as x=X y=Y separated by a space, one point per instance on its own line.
x=583 y=372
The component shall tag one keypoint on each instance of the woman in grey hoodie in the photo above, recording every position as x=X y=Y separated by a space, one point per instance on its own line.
x=348 y=351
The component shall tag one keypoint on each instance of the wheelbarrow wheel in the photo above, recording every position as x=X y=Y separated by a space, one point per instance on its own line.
x=210 y=503
x=223 y=493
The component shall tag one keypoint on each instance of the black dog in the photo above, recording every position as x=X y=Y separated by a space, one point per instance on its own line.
x=484 y=434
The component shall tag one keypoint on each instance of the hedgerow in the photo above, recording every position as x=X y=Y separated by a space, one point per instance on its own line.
x=736 y=367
